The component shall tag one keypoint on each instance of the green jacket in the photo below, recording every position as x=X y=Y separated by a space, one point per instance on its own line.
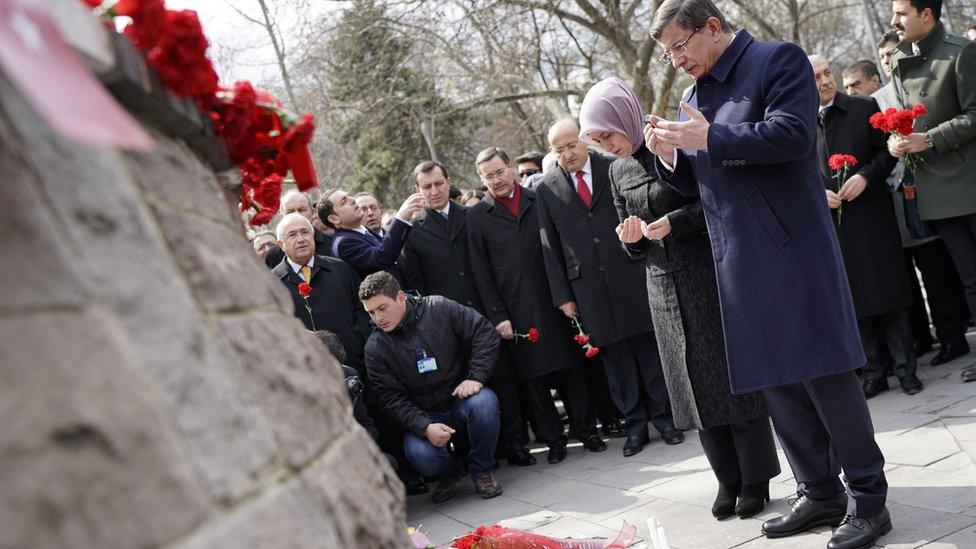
x=943 y=78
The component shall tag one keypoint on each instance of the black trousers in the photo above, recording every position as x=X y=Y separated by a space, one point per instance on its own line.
x=943 y=290
x=511 y=433
x=884 y=336
x=636 y=382
x=598 y=389
x=741 y=453
x=824 y=426
x=959 y=236
x=571 y=383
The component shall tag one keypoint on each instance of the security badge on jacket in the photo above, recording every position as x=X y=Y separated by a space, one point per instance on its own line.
x=424 y=363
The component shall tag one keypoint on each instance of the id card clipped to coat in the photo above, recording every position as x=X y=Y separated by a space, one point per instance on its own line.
x=425 y=363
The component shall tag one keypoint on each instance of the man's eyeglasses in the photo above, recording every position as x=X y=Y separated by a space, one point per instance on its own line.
x=526 y=173
x=497 y=174
x=678 y=49
x=559 y=151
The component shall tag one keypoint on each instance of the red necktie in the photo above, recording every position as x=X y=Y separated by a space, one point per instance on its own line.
x=583 y=190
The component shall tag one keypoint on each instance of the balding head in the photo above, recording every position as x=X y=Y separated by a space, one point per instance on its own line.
x=565 y=143
x=295 y=201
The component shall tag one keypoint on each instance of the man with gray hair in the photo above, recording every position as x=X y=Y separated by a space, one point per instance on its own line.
x=745 y=142
x=324 y=289
x=294 y=201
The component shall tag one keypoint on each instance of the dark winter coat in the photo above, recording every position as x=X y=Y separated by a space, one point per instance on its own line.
x=506 y=258
x=868 y=229
x=786 y=303
x=684 y=298
x=369 y=253
x=334 y=302
x=462 y=342
x=584 y=260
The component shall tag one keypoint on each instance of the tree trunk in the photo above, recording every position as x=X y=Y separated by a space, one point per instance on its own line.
x=279 y=54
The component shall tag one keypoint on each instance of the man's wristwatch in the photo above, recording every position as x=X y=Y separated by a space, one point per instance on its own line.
x=928 y=142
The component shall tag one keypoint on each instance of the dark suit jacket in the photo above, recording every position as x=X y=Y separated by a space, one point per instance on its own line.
x=510 y=274
x=435 y=257
x=368 y=253
x=868 y=231
x=584 y=260
x=335 y=305
x=786 y=303
x=323 y=246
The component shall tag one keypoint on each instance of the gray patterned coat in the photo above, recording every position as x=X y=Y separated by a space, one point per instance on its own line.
x=683 y=296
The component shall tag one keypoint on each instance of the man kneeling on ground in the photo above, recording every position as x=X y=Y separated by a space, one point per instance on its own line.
x=429 y=363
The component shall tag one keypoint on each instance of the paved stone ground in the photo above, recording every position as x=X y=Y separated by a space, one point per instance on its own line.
x=929 y=441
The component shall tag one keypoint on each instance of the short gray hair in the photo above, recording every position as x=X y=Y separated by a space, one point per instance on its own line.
x=290 y=219
x=687 y=14
x=290 y=192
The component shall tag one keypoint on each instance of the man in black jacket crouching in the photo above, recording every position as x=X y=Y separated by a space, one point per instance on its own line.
x=429 y=362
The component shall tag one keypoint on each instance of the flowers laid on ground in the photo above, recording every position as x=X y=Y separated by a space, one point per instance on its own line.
x=264 y=140
x=583 y=339
x=500 y=537
x=839 y=163
x=532 y=335
x=900 y=123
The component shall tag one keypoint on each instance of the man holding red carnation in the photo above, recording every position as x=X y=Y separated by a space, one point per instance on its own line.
x=867 y=230
x=938 y=70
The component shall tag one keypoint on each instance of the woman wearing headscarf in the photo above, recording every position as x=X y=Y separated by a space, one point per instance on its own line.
x=668 y=229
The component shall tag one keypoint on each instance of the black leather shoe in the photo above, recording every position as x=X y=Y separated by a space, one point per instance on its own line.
x=951 y=350
x=860 y=533
x=911 y=384
x=613 y=429
x=557 y=452
x=807 y=513
x=724 y=506
x=752 y=499
x=594 y=443
x=521 y=457
x=672 y=436
x=874 y=387
x=634 y=444
x=416 y=487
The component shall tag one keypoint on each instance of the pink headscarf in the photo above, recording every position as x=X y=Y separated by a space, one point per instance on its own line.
x=611 y=106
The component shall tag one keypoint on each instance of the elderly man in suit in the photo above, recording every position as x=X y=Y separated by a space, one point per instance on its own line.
x=593 y=278
x=510 y=274
x=745 y=142
x=937 y=70
x=436 y=262
x=356 y=244
x=867 y=231
x=294 y=201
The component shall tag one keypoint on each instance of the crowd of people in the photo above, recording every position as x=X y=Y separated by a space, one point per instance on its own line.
x=708 y=272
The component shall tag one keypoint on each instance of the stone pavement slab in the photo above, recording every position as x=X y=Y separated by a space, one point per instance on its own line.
x=929 y=441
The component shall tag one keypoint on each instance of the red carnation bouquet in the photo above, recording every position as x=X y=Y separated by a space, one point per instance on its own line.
x=583 y=339
x=500 y=537
x=532 y=335
x=839 y=163
x=900 y=123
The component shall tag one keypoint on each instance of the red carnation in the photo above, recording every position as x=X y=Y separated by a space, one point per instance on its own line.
x=93 y=3
x=269 y=193
x=903 y=122
x=840 y=161
x=919 y=110
x=582 y=339
x=263 y=217
x=180 y=57
x=533 y=335
x=592 y=352
x=148 y=21
x=300 y=134
x=304 y=289
x=880 y=122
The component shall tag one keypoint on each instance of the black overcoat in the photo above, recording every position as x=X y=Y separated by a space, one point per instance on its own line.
x=867 y=229
x=435 y=257
x=584 y=260
x=683 y=296
x=506 y=259
x=335 y=304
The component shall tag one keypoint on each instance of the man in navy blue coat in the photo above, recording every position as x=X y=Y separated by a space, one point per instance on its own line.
x=360 y=247
x=745 y=143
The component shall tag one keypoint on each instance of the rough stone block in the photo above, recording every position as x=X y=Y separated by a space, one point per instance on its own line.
x=361 y=492
x=223 y=277
x=286 y=516
x=298 y=387
x=88 y=456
